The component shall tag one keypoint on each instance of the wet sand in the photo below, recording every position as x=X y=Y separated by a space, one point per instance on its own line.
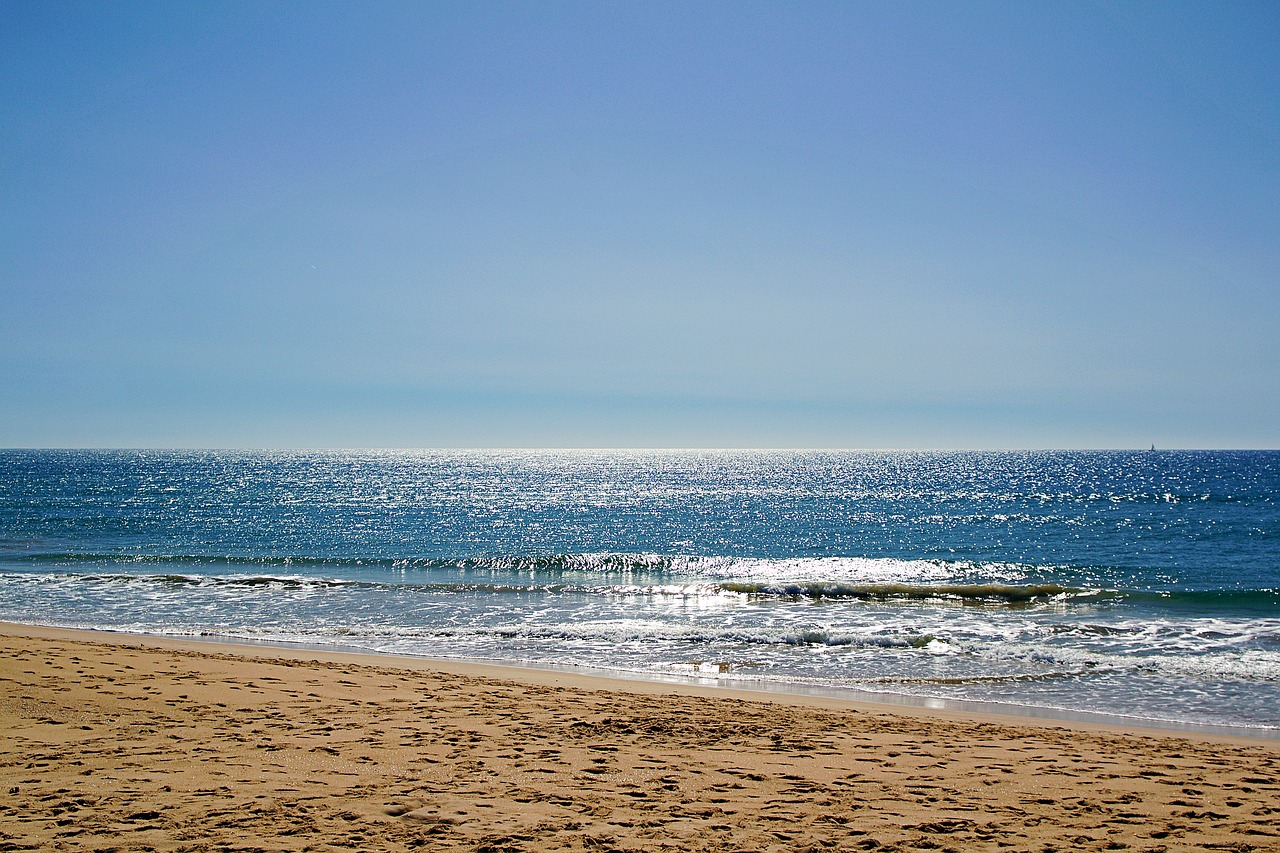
x=111 y=742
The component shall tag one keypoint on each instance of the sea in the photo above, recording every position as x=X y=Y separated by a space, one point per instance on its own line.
x=1140 y=587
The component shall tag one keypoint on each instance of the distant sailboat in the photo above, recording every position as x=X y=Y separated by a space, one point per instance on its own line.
x=1153 y=449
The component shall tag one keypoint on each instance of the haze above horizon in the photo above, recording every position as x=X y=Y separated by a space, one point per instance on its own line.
x=705 y=225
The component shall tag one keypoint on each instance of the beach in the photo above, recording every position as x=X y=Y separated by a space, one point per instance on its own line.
x=118 y=742
x=1076 y=585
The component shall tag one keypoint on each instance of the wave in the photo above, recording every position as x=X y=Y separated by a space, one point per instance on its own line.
x=1184 y=660
x=291 y=582
x=1262 y=602
x=621 y=632
x=878 y=592
x=989 y=593
x=665 y=577
x=977 y=592
x=1029 y=661
x=790 y=569
x=606 y=562
x=302 y=561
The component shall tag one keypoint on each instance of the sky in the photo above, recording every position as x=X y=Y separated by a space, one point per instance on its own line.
x=645 y=224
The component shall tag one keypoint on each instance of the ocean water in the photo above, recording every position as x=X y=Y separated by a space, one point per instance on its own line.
x=1139 y=585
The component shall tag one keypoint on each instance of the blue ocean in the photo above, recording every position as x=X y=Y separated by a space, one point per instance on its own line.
x=1141 y=586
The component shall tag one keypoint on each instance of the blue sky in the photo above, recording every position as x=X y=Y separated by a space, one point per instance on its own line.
x=640 y=224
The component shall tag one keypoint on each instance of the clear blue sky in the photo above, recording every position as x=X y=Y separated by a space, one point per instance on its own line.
x=885 y=224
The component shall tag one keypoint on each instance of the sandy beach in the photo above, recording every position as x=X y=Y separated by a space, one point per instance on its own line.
x=112 y=742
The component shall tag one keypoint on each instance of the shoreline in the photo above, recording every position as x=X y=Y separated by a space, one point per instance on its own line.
x=151 y=744
x=834 y=698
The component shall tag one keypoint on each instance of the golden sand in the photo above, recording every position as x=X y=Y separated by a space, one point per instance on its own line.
x=131 y=744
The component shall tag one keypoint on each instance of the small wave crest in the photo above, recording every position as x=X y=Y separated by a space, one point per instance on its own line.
x=875 y=580
x=626 y=632
x=978 y=593
x=966 y=593
x=868 y=569
x=1203 y=664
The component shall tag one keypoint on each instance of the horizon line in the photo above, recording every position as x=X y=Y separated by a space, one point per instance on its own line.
x=621 y=449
